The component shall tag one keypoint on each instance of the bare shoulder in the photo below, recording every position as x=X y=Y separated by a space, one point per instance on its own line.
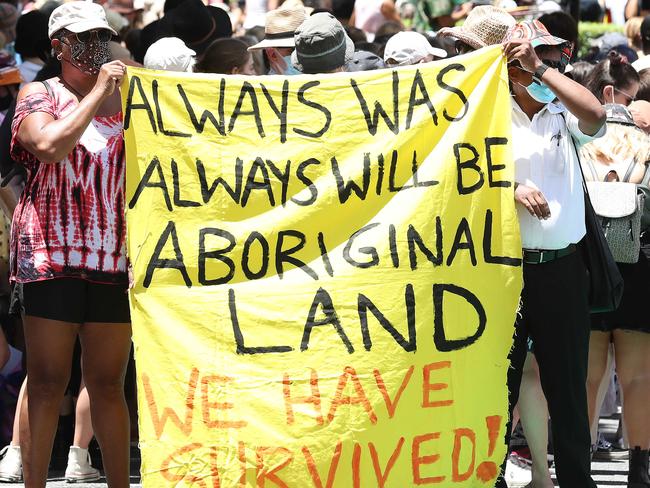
x=32 y=88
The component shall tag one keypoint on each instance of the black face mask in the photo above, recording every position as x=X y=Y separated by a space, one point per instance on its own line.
x=89 y=56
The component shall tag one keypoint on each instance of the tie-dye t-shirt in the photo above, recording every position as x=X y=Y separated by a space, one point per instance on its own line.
x=69 y=222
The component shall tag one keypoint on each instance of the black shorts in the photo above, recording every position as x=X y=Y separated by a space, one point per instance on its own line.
x=74 y=300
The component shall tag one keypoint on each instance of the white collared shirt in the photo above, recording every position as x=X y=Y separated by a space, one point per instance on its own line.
x=546 y=160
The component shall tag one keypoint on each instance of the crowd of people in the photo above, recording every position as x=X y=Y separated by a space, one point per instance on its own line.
x=62 y=242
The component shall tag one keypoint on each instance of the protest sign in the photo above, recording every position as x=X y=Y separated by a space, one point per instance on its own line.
x=327 y=270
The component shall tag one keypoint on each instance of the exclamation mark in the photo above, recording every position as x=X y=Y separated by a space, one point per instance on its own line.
x=487 y=470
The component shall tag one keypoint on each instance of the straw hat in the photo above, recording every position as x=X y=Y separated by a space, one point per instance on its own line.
x=281 y=24
x=485 y=25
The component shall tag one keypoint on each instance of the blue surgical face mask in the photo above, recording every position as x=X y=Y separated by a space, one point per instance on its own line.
x=540 y=92
x=290 y=69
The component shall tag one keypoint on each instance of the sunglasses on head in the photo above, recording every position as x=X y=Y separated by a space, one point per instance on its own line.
x=102 y=35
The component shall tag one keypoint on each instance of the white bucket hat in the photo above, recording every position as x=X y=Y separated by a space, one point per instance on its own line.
x=408 y=47
x=169 y=54
x=78 y=17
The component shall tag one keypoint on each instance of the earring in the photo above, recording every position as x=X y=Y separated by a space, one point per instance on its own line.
x=59 y=56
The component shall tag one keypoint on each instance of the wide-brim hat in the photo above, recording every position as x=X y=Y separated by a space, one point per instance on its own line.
x=485 y=25
x=198 y=25
x=31 y=32
x=281 y=25
x=78 y=17
x=148 y=35
x=322 y=45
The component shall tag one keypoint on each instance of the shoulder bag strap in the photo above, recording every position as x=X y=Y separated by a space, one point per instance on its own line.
x=48 y=88
x=584 y=182
x=575 y=150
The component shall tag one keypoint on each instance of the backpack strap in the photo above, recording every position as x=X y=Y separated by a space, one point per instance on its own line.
x=629 y=171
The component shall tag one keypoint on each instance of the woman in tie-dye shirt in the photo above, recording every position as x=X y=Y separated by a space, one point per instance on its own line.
x=68 y=239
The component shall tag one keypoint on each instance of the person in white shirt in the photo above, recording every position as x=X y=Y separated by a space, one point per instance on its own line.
x=551 y=113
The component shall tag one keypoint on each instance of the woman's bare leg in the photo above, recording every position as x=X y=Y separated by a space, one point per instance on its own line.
x=598 y=367
x=534 y=420
x=49 y=344
x=633 y=366
x=15 y=433
x=105 y=352
x=83 y=427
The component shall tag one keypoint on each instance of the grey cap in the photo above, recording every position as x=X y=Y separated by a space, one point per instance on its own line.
x=321 y=45
x=364 y=61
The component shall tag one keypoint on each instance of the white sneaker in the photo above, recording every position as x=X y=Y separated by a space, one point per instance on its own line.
x=517 y=474
x=79 y=467
x=11 y=466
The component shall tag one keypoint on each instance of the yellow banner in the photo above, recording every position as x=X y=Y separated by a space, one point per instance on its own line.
x=327 y=270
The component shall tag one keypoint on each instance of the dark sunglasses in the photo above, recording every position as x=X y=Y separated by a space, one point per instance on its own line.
x=102 y=35
x=463 y=47
x=558 y=65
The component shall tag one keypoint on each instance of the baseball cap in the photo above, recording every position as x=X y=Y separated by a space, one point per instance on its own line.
x=364 y=61
x=535 y=32
x=409 y=47
x=321 y=44
x=78 y=17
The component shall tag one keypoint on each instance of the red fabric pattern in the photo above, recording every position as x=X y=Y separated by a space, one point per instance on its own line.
x=69 y=221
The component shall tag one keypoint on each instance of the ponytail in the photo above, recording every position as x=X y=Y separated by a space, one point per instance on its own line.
x=614 y=70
